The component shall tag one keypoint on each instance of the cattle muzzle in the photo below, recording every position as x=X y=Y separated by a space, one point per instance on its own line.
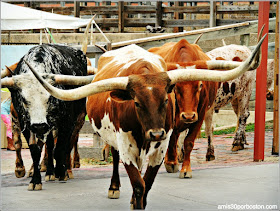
x=40 y=129
x=189 y=117
x=155 y=134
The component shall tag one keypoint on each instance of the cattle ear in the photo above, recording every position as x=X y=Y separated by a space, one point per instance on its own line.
x=120 y=95
x=170 y=88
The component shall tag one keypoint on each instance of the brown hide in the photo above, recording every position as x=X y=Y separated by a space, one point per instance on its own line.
x=190 y=94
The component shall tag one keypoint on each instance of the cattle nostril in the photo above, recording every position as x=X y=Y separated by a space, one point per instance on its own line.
x=157 y=135
x=193 y=117
x=162 y=134
x=152 y=135
x=40 y=128
x=183 y=116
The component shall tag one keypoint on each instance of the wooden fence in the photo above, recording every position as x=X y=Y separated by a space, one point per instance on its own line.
x=174 y=15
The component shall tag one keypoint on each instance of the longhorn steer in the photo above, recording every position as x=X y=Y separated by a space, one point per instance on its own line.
x=39 y=115
x=136 y=117
x=20 y=168
x=47 y=58
x=237 y=92
x=193 y=99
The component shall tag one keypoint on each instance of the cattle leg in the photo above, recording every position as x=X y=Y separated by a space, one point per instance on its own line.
x=76 y=156
x=149 y=178
x=243 y=114
x=31 y=170
x=44 y=162
x=35 y=150
x=186 y=171
x=60 y=156
x=49 y=146
x=138 y=185
x=171 y=159
x=114 y=190
x=74 y=143
x=69 y=162
x=43 y=165
x=20 y=169
x=210 y=155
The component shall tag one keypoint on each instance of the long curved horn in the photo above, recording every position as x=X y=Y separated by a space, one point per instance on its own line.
x=261 y=32
x=10 y=82
x=84 y=46
x=71 y=80
x=222 y=64
x=224 y=43
x=177 y=76
x=228 y=65
x=7 y=82
x=66 y=79
x=259 y=55
x=84 y=91
x=197 y=39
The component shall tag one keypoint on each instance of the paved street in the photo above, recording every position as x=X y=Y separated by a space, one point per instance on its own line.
x=232 y=179
x=251 y=185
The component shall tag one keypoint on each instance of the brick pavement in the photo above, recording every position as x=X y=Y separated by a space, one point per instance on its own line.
x=222 y=143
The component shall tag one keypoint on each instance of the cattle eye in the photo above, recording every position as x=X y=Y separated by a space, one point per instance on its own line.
x=166 y=101
x=201 y=85
x=137 y=104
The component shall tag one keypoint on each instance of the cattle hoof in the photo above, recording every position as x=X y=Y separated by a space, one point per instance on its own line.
x=237 y=147
x=43 y=168
x=32 y=187
x=63 y=179
x=49 y=178
x=70 y=175
x=187 y=174
x=20 y=172
x=30 y=174
x=113 y=194
x=171 y=168
x=210 y=157
x=76 y=164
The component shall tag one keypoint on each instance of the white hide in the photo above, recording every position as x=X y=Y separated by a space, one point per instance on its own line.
x=243 y=84
x=132 y=54
x=125 y=143
x=37 y=99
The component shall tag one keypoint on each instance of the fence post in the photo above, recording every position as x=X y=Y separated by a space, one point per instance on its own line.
x=259 y=139
x=213 y=14
x=77 y=9
x=178 y=15
x=76 y=12
x=121 y=16
x=159 y=14
x=245 y=39
x=275 y=145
